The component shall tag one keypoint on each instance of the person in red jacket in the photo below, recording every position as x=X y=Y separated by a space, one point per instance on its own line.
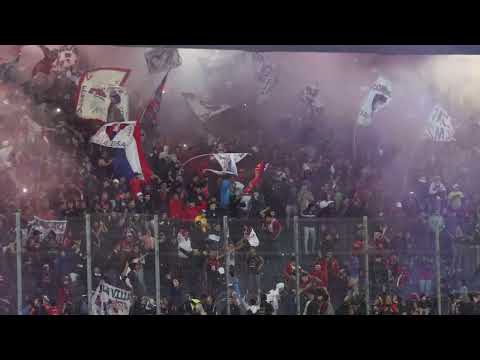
x=65 y=294
x=289 y=273
x=318 y=274
x=202 y=203
x=321 y=271
x=136 y=185
x=191 y=212
x=52 y=309
x=175 y=207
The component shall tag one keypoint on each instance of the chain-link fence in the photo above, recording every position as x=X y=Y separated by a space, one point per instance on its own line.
x=148 y=264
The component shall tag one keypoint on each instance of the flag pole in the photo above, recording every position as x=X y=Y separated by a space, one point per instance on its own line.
x=195 y=157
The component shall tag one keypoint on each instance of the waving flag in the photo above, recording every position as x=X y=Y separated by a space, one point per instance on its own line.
x=253 y=239
x=162 y=59
x=440 y=127
x=202 y=109
x=215 y=63
x=265 y=75
x=115 y=135
x=378 y=97
x=131 y=160
x=153 y=107
x=67 y=59
x=228 y=162
x=100 y=92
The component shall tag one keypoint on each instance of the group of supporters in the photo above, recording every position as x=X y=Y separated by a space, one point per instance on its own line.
x=204 y=269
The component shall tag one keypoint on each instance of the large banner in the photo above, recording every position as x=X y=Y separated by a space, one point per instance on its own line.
x=110 y=300
x=162 y=59
x=115 y=135
x=378 y=97
x=97 y=88
x=45 y=227
x=440 y=127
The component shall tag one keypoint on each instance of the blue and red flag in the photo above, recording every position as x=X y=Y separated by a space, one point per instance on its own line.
x=131 y=160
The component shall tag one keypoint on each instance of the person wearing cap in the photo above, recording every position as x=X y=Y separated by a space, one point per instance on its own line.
x=136 y=185
x=116 y=185
x=411 y=205
x=436 y=191
x=140 y=203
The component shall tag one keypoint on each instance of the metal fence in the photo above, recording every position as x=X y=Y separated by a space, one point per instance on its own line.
x=363 y=266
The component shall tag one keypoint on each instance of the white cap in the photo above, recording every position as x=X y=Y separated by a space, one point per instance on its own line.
x=116 y=181
x=221 y=270
x=323 y=204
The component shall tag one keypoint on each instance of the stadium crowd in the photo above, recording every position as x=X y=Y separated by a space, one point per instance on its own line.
x=310 y=175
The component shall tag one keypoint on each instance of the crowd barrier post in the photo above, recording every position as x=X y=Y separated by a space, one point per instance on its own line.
x=157 y=264
x=367 y=272
x=88 y=243
x=227 y=259
x=297 y=262
x=18 y=244
x=437 y=269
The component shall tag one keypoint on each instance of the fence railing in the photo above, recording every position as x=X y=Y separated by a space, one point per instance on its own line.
x=233 y=266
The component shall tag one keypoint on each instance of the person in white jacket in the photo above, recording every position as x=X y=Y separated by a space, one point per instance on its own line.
x=184 y=244
x=185 y=252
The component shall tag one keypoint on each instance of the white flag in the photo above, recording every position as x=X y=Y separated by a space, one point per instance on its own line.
x=253 y=239
x=110 y=300
x=440 y=127
x=228 y=162
x=67 y=59
x=115 y=135
x=378 y=97
x=266 y=88
x=97 y=88
x=265 y=75
x=202 y=109
x=162 y=59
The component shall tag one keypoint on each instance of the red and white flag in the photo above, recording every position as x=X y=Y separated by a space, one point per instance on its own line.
x=115 y=135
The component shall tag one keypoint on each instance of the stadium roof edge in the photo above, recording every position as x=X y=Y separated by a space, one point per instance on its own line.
x=377 y=49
